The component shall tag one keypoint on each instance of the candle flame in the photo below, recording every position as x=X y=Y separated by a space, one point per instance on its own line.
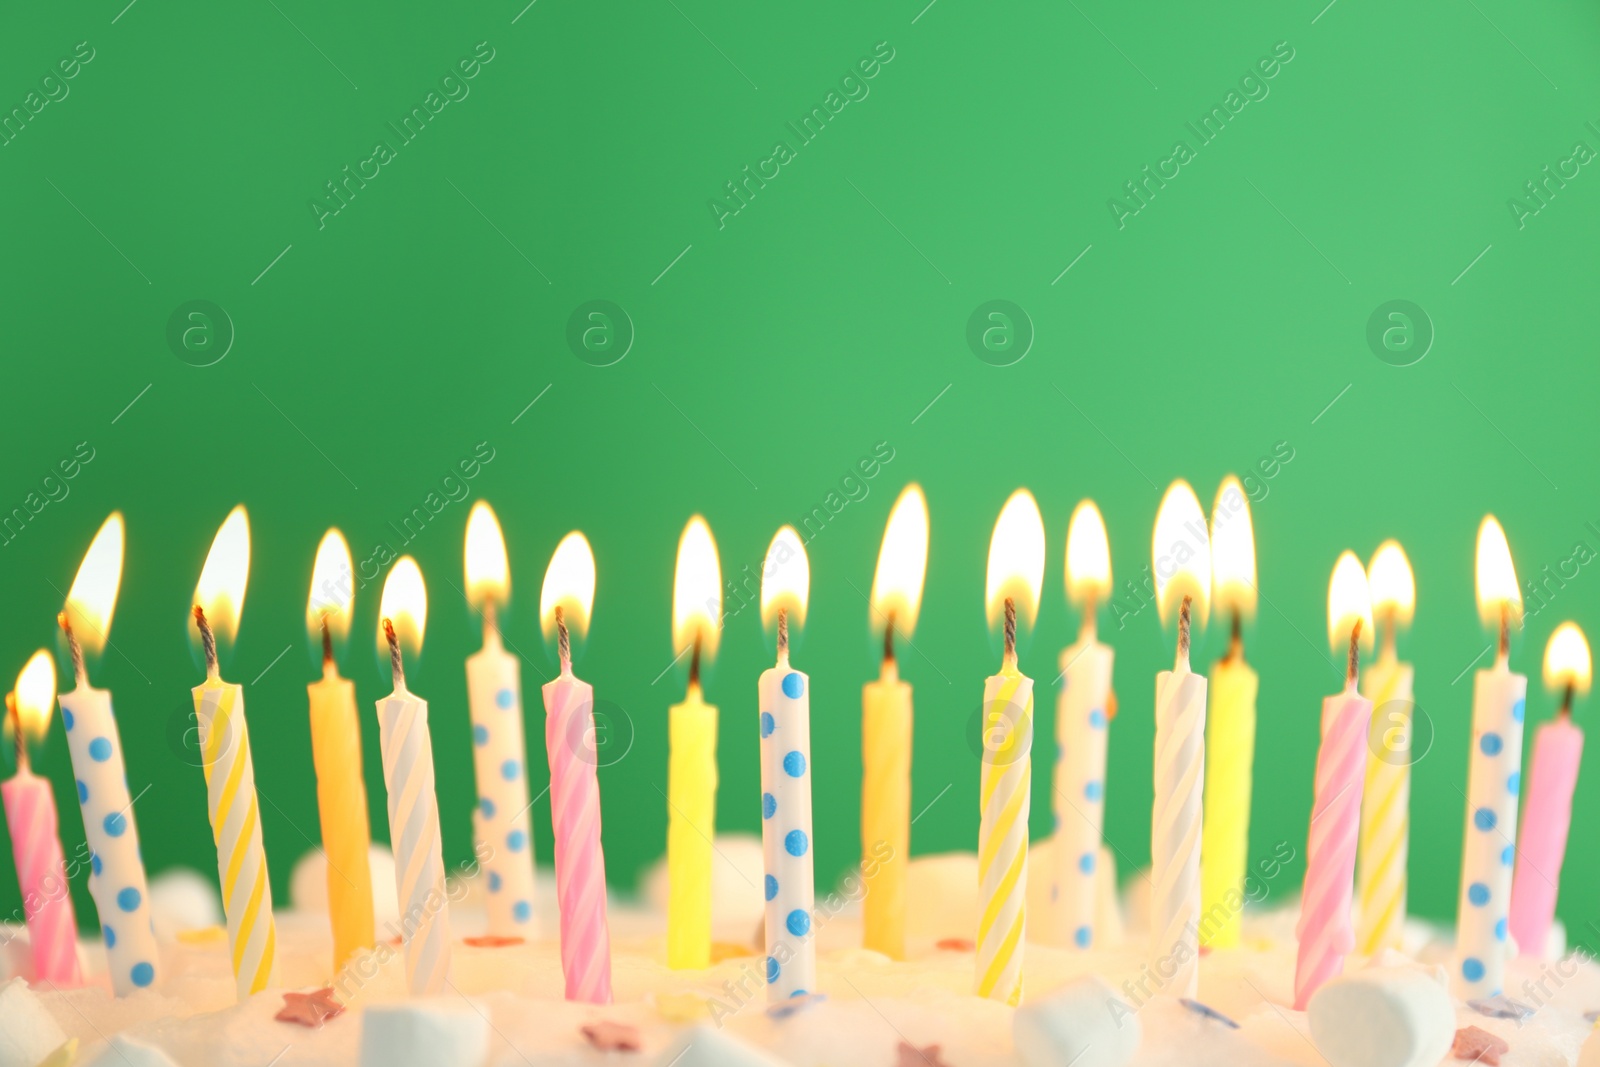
x=785 y=579
x=1233 y=551
x=36 y=694
x=1088 y=555
x=488 y=573
x=1394 y=590
x=902 y=563
x=332 y=588
x=1349 y=603
x=1016 y=560
x=1181 y=554
x=405 y=604
x=92 y=600
x=220 y=590
x=696 y=591
x=1497 y=576
x=1566 y=659
x=568 y=585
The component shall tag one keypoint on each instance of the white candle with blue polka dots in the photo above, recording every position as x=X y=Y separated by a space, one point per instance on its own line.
x=501 y=821
x=785 y=703
x=1082 y=718
x=116 y=869
x=1488 y=856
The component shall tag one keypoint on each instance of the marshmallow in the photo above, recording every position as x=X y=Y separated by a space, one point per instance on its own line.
x=706 y=1046
x=1082 y=1023
x=425 y=1032
x=28 y=1032
x=125 y=1051
x=308 y=884
x=1382 y=1017
x=183 y=899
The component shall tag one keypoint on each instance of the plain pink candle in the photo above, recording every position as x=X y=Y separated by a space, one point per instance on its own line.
x=1325 y=933
x=580 y=861
x=1542 y=844
x=46 y=902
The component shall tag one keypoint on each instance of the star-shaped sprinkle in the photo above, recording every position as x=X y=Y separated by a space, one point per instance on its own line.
x=912 y=1056
x=310 y=1010
x=1478 y=1046
x=681 y=1007
x=1500 y=1006
x=204 y=935
x=612 y=1037
x=492 y=941
x=727 y=950
x=955 y=944
x=1208 y=1012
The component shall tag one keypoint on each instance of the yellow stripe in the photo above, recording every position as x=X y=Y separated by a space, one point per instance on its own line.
x=241 y=849
x=252 y=911
x=1002 y=699
x=264 y=971
x=1000 y=896
x=1001 y=962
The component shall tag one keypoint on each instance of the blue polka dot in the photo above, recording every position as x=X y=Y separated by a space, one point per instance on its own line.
x=1491 y=744
x=494 y=882
x=1517 y=710
x=100 y=749
x=129 y=899
x=511 y=769
x=1086 y=863
x=768 y=724
x=1082 y=936
x=486 y=806
x=1472 y=969
x=1478 y=894
x=516 y=841
x=1097 y=719
x=1092 y=791
x=110 y=936
x=1514 y=782
x=66 y=718
x=1500 y=930
x=83 y=792
x=795 y=844
x=480 y=735
x=142 y=974
x=505 y=698
x=1484 y=819
x=798 y=922
x=772 y=887
x=794 y=764
x=772 y=970
x=115 y=824
x=94 y=862
x=794 y=685
x=769 y=805
x=522 y=911
x=1508 y=854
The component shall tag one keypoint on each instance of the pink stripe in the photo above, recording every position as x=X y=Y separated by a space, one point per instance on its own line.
x=1326 y=936
x=580 y=861
x=41 y=875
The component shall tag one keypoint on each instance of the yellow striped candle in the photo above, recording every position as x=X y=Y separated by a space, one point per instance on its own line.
x=230 y=775
x=1015 y=572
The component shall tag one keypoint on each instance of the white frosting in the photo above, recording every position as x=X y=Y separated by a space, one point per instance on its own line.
x=28 y=1032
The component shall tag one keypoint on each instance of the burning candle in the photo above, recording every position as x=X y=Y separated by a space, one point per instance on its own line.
x=692 y=755
x=1230 y=724
x=565 y=603
x=1324 y=928
x=784 y=700
x=35 y=832
x=117 y=878
x=225 y=757
x=1014 y=575
x=1386 y=798
x=408 y=774
x=336 y=754
x=1083 y=714
x=1181 y=560
x=494 y=694
x=1493 y=781
x=886 y=719
x=1557 y=752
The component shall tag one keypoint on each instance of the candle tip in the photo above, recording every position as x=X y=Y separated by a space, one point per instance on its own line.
x=208 y=641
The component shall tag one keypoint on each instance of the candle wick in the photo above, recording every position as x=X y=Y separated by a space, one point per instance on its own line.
x=75 y=650
x=1011 y=631
x=395 y=665
x=1183 y=633
x=783 y=633
x=1566 y=700
x=1505 y=631
x=208 y=642
x=1353 y=664
x=327 y=642
x=1390 y=637
x=888 y=639
x=563 y=641
x=694 y=662
x=1089 y=628
x=15 y=716
x=1236 y=640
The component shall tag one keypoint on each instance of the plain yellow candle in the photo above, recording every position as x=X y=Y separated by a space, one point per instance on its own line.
x=885 y=809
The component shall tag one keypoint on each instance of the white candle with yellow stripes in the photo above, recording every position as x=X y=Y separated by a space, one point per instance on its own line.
x=408 y=774
x=225 y=756
x=1386 y=798
x=1181 y=558
x=1011 y=590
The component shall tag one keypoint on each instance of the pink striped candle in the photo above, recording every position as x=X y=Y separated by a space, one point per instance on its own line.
x=1324 y=931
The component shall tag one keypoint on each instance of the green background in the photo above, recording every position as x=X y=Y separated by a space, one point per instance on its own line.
x=374 y=353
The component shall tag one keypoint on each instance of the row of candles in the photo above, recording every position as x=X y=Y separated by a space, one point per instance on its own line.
x=1203 y=755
